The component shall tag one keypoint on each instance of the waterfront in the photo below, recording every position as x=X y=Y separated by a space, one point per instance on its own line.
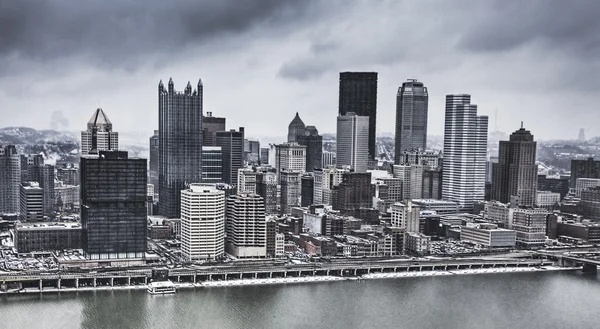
x=557 y=299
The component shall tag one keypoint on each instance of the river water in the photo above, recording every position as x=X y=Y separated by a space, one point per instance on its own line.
x=511 y=300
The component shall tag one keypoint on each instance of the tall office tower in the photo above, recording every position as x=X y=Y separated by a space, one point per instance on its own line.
x=32 y=202
x=353 y=192
x=46 y=182
x=411 y=118
x=290 y=190
x=251 y=152
x=465 y=148
x=406 y=215
x=264 y=156
x=353 y=142
x=432 y=184
x=358 y=94
x=99 y=135
x=515 y=174
x=291 y=157
x=247 y=180
x=180 y=144
x=412 y=180
x=153 y=172
x=212 y=158
x=113 y=206
x=328 y=159
x=202 y=222
x=68 y=174
x=307 y=189
x=10 y=180
x=246 y=226
x=588 y=168
x=530 y=224
x=295 y=129
x=30 y=164
x=266 y=187
x=211 y=125
x=314 y=148
x=232 y=146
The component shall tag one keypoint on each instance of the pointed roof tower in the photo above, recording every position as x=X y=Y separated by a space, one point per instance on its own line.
x=99 y=121
x=295 y=128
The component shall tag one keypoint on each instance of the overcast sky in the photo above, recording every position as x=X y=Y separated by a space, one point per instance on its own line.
x=261 y=61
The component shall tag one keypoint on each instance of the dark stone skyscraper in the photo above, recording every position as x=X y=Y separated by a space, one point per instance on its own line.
x=411 y=118
x=515 y=174
x=354 y=192
x=180 y=144
x=295 y=128
x=113 y=206
x=232 y=148
x=358 y=94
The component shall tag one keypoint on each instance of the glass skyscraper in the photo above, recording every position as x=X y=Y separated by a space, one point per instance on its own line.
x=180 y=144
x=411 y=118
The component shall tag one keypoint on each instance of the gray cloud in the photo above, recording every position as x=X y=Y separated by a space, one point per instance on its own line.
x=123 y=34
x=58 y=121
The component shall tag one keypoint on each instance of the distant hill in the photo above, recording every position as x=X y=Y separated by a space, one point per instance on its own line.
x=54 y=145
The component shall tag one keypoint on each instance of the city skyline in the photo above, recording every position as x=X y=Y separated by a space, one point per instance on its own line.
x=300 y=62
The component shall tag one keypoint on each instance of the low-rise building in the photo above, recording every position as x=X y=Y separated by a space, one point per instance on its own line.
x=530 y=224
x=547 y=199
x=441 y=207
x=488 y=235
x=417 y=244
x=30 y=237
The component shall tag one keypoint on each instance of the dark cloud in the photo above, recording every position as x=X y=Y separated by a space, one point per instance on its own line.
x=563 y=26
x=123 y=33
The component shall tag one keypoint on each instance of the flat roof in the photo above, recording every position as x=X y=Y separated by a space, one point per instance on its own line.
x=48 y=226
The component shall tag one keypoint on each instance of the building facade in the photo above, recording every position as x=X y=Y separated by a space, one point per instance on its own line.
x=358 y=94
x=588 y=168
x=212 y=164
x=202 y=222
x=10 y=180
x=246 y=226
x=290 y=190
x=99 y=135
x=290 y=157
x=210 y=126
x=314 y=148
x=515 y=174
x=411 y=118
x=153 y=159
x=180 y=144
x=232 y=147
x=353 y=141
x=465 y=148
x=113 y=206
x=530 y=224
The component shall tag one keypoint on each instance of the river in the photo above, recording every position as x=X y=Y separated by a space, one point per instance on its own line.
x=513 y=300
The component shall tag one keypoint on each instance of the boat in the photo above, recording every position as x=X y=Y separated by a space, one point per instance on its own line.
x=161 y=288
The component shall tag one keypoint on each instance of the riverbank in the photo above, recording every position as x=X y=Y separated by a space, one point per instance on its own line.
x=304 y=279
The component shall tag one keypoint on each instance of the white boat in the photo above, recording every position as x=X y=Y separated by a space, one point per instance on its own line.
x=162 y=288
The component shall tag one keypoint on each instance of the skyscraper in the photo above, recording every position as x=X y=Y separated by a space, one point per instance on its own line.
x=266 y=187
x=210 y=126
x=290 y=156
x=99 y=135
x=515 y=174
x=246 y=226
x=202 y=222
x=353 y=192
x=180 y=144
x=153 y=172
x=314 y=148
x=353 y=142
x=33 y=169
x=212 y=164
x=10 y=180
x=113 y=206
x=290 y=190
x=465 y=148
x=358 y=94
x=584 y=168
x=411 y=117
x=295 y=128
x=232 y=147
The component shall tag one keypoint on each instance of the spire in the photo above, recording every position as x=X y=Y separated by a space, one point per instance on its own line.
x=170 y=81
x=161 y=87
x=171 y=86
x=188 y=88
x=521 y=124
x=200 y=82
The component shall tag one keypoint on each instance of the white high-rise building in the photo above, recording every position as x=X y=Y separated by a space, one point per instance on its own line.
x=325 y=180
x=405 y=215
x=353 y=142
x=99 y=135
x=246 y=226
x=202 y=222
x=290 y=157
x=412 y=180
x=465 y=148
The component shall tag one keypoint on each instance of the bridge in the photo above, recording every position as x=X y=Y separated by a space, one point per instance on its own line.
x=46 y=281
x=581 y=258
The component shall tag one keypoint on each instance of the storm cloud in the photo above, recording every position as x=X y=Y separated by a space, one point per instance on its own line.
x=261 y=61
